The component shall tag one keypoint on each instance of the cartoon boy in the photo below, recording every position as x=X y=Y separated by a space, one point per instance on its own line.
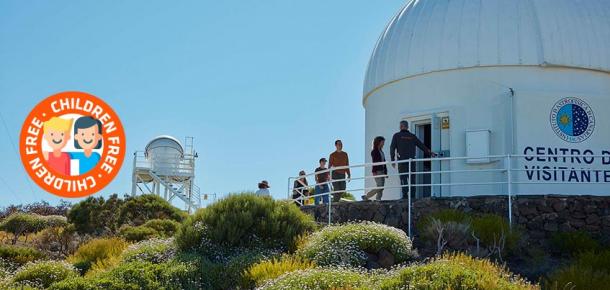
x=87 y=136
x=57 y=134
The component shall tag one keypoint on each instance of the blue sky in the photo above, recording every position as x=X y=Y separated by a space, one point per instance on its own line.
x=265 y=87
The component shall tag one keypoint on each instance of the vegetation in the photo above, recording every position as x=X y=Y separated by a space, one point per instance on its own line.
x=44 y=273
x=350 y=244
x=484 y=235
x=267 y=270
x=101 y=253
x=590 y=270
x=245 y=241
x=244 y=220
x=142 y=208
x=574 y=243
x=156 y=228
x=22 y=224
x=455 y=272
x=19 y=256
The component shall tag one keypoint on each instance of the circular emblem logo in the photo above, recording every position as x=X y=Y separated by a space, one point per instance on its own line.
x=572 y=120
x=72 y=144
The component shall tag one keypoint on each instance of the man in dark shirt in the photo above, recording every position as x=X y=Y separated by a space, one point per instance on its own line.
x=403 y=148
x=322 y=183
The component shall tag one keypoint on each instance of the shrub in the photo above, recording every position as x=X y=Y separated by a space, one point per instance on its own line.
x=456 y=272
x=495 y=233
x=321 y=278
x=156 y=228
x=95 y=215
x=138 y=275
x=142 y=208
x=165 y=228
x=591 y=270
x=136 y=234
x=155 y=251
x=58 y=240
x=266 y=270
x=350 y=244
x=22 y=224
x=244 y=220
x=44 y=273
x=19 y=255
x=102 y=252
x=445 y=215
x=573 y=243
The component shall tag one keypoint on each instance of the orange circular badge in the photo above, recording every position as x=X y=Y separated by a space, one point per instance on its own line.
x=72 y=144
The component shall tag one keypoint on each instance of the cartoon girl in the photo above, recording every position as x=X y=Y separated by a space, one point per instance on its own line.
x=56 y=131
x=87 y=136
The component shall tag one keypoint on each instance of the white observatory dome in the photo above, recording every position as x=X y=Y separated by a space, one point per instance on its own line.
x=165 y=154
x=438 y=35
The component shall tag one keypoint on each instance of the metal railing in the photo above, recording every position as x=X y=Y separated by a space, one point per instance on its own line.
x=505 y=184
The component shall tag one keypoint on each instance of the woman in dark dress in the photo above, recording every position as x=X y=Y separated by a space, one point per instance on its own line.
x=379 y=171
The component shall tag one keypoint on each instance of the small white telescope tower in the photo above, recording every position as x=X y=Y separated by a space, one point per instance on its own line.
x=167 y=169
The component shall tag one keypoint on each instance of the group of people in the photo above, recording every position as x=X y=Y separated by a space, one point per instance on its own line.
x=402 y=148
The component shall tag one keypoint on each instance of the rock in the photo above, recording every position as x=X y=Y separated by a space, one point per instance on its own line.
x=372 y=265
x=592 y=219
x=386 y=259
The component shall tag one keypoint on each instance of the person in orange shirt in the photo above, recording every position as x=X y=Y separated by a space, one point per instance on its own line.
x=56 y=131
x=339 y=158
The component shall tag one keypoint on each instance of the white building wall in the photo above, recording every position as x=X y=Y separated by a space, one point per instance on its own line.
x=479 y=98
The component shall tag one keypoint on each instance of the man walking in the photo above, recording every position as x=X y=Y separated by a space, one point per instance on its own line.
x=339 y=158
x=403 y=148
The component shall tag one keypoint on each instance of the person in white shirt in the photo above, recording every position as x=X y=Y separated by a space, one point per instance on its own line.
x=263 y=188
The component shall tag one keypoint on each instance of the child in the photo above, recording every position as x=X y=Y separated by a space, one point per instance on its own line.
x=87 y=136
x=57 y=134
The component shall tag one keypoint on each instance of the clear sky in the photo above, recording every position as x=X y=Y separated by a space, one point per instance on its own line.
x=265 y=87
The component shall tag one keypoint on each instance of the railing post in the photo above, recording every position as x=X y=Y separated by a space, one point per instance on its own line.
x=409 y=197
x=328 y=194
x=509 y=182
x=289 y=196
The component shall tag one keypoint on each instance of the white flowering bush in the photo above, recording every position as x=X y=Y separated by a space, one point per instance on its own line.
x=154 y=250
x=323 y=279
x=42 y=274
x=349 y=244
x=138 y=275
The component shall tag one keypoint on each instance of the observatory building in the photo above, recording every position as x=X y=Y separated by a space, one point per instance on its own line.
x=528 y=80
x=167 y=169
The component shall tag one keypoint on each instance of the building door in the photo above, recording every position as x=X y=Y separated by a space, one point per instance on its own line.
x=423 y=131
x=428 y=130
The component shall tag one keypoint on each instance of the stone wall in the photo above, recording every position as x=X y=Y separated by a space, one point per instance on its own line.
x=539 y=215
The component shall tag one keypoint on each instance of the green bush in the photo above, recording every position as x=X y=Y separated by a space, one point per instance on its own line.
x=445 y=215
x=19 y=255
x=591 y=270
x=155 y=251
x=573 y=243
x=494 y=230
x=136 y=234
x=267 y=270
x=138 y=275
x=322 y=279
x=156 y=228
x=165 y=228
x=244 y=220
x=349 y=244
x=22 y=224
x=97 y=251
x=142 y=208
x=96 y=215
x=43 y=273
x=455 y=272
